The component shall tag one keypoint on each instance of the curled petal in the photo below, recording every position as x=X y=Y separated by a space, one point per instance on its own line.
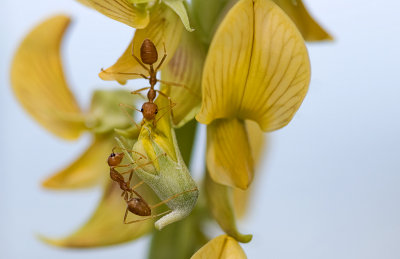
x=308 y=27
x=121 y=10
x=180 y=10
x=88 y=170
x=241 y=198
x=229 y=158
x=219 y=200
x=222 y=247
x=38 y=80
x=164 y=29
x=183 y=74
x=257 y=67
x=106 y=226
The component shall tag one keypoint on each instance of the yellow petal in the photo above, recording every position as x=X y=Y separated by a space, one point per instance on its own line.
x=179 y=9
x=89 y=169
x=229 y=158
x=257 y=67
x=222 y=247
x=308 y=27
x=241 y=198
x=164 y=27
x=220 y=203
x=185 y=68
x=38 y=80
x=106 y=227
x=121 y=10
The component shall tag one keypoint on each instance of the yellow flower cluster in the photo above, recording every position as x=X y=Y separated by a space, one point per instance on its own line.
x=239 y=66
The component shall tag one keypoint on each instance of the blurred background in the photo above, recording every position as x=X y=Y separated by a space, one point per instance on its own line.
x=328 y=186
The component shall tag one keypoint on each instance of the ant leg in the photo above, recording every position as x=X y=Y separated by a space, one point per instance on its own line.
x=151 y=217
x=179 y=85
x=163 y=58
x=166 y=96
x=148 y=163
x=171 y=198
x=139 y=90
x=137 y=185
x=133 y=151
x=126 y=214
x=127 y=114
x=137 y=59
x=126 y=73
x=170 y=108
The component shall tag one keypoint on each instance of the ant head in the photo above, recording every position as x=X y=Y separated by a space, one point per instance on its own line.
x=149 y=110
x=139 y=207
x=148 y=52
x=115 y=159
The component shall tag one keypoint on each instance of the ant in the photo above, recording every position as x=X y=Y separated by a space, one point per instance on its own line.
x=149 y=56
x=136 y=205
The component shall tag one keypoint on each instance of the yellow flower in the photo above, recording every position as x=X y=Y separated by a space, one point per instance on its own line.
x=38 y=81
x=222 y=247
x=257 y=68
x=243 y=72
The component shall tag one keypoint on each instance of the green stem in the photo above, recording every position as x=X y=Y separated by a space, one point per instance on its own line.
x=182 y=239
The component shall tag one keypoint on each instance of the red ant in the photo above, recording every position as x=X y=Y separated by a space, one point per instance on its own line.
x=136 y=205
x=149 y=56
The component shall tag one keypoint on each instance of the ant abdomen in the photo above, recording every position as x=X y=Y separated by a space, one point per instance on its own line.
x=139 y=207
x=148 y=52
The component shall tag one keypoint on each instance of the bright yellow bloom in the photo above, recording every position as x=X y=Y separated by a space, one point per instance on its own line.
x=257 y=68
x=243 y=72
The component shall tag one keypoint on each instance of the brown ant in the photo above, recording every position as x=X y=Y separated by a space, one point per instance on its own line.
x=136 y=205
x=149 y=56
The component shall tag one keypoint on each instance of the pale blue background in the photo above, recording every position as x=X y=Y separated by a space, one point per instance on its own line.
x=328 y=188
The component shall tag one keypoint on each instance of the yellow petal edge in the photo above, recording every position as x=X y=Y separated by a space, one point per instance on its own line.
x=164 y=28
x=257 y=67
x=120 y=10
x=242 y=198
x=220 y=202
x=87 y=170
x=183 y=73
x=229 y=158
x=306 y=24
x=222 y=247
x=38 y=80
x=106 y=226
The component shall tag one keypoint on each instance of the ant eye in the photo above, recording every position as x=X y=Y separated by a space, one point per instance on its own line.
x=141 y=110
x=156 y=111
x=112 y=155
